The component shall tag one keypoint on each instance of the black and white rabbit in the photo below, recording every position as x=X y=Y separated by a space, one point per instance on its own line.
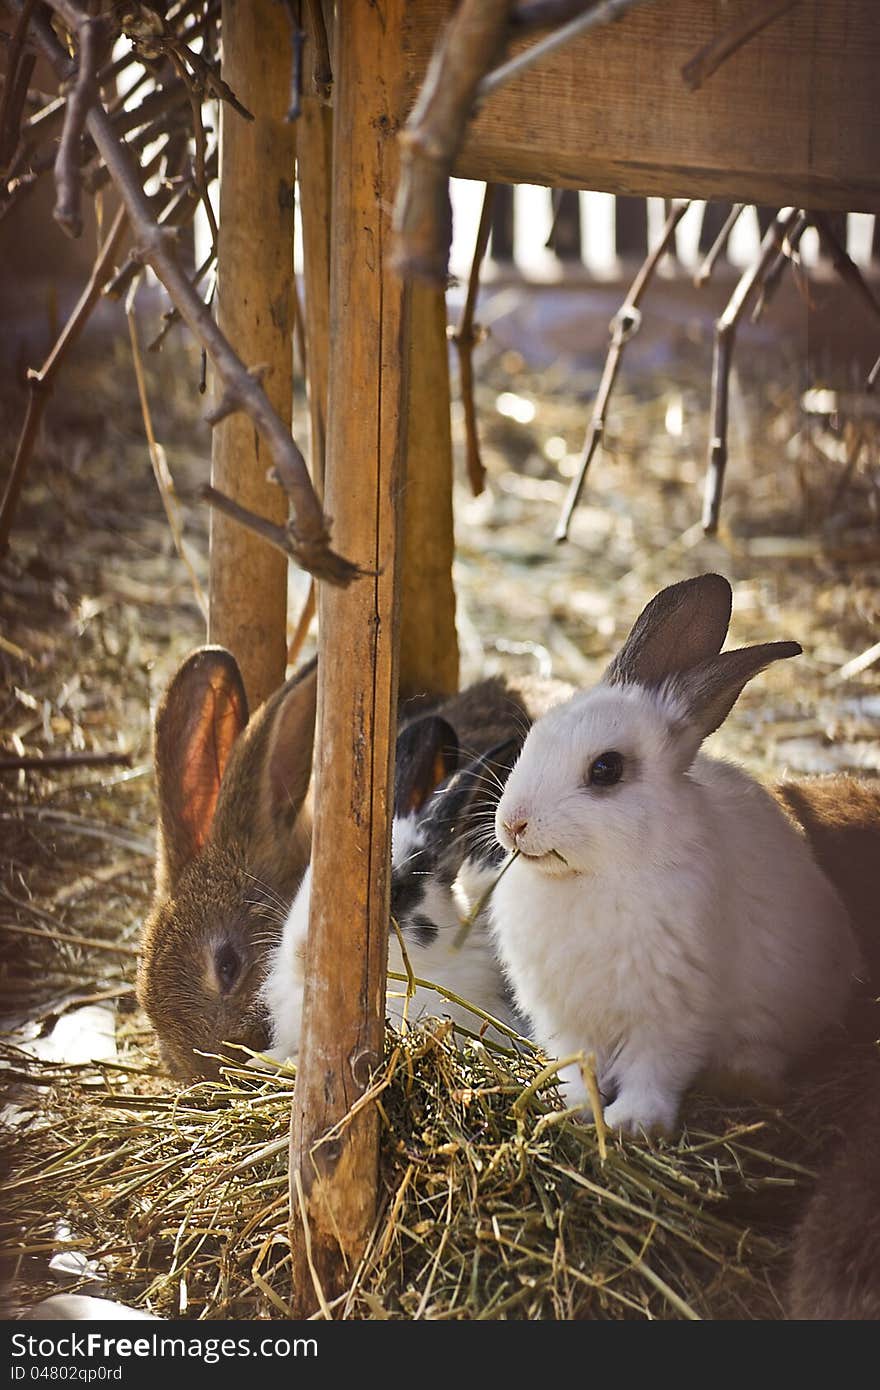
x=441 y=863
x=663 y=912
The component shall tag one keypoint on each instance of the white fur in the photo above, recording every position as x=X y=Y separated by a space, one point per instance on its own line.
x=472 y=971
x=688 y=926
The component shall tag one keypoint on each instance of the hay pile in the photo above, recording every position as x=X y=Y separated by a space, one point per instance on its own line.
x=494 y=1204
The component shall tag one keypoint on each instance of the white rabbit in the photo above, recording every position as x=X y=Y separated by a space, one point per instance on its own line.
x=663 y=912
x=435 y=881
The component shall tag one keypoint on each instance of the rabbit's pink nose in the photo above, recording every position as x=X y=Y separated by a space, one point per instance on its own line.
x=515 y=828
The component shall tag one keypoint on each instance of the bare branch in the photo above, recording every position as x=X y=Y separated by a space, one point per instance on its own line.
x=624 y=325
x=90 y=33
x=433 y=134
x=709 y=59
x=40 y=383
x=466 y=337
x=708 y=263
x=308 y=532
x=19 y=66
x=725 y=334
x=602 y=13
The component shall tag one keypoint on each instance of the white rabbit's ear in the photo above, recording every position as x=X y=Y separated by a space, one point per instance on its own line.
x=709 y=691
x=682 y=626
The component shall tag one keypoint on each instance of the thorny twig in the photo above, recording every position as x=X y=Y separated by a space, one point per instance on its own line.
x=707 y=265
x=306 y=536
x=713 y=54
x=725 y=334
x=624 y=325
x=466 y=337
x=40 y=382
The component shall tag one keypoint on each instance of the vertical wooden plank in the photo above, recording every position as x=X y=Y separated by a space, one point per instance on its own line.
x=428 y=639
x=248 y=578
x=314 y=167
x=334 y=1174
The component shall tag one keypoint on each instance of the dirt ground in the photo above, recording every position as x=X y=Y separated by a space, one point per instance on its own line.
x=96 y=608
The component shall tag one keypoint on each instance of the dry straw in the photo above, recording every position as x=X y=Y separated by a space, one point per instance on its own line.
x=496 y=1203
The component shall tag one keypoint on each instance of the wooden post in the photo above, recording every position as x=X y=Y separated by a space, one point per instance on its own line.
x=428 y=640
x=314 y=167
x=334 y=1173
x=248 y=578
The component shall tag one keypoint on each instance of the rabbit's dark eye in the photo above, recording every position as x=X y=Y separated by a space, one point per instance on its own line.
x=606 y=770
x=227 y=963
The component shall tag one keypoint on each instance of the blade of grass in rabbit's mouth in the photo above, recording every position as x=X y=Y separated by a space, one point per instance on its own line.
x=462 y=933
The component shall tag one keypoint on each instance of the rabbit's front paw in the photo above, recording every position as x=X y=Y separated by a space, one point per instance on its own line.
x=637 y=1112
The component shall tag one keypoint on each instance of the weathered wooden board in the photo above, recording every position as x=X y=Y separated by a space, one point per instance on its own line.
x=791 y=118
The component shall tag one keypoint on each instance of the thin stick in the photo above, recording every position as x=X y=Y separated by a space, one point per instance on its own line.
x=624 y=325
x=709 y=59
x=115 y=947
x=718 y=245
x=873 y=375
x=786 y=256
x=462 y=934
x=603 y=13
x=466 y=337
x=725 y=335
x=857 y=664
x=161 y=472
x=37 y=763
x=843 y=262
x=40 y=383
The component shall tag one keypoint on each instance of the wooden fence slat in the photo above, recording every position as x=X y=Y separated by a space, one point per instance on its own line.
x=248 y=578
x=334 y=1173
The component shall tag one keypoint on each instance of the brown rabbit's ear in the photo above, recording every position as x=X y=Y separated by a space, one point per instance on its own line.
x=682 y=626
x=709 y=691
x=426 y=753
x=198 y=721
x=290 y=746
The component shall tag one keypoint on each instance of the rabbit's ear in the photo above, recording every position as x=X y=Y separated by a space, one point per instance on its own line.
x=291 y=740
x=198 y=721
x=427 y=752
x=478 y=784
x=709 y=691
x=682 y=626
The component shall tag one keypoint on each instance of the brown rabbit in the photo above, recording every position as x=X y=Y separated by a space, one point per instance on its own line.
x=234 y=839
x=233 y=842
x=835 y=1264
x=840 y=816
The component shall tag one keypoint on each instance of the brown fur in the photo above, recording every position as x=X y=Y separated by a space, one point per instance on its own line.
x=835 y=1269
x=840 y=816
x=233 y=844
